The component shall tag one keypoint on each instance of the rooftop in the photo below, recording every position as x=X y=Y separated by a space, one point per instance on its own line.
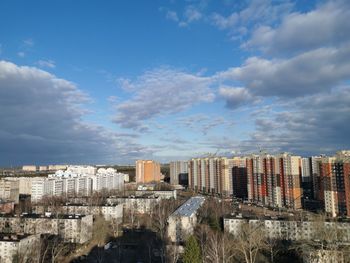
x=190 y=206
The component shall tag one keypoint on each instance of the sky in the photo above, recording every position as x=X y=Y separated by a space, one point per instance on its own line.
x=110 y=82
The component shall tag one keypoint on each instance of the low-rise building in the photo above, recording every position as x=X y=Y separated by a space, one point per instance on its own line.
x=139 y=205
x=182 y=222
x=167 y=194
x=9 y=190
x=71 y=228
x=109 y=212
x=19 y=248
x=288 y=229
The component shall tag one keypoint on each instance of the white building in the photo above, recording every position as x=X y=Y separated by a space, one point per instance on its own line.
x=182 y=222
x=77 y=181
x=109 y=212
x=23 y=247
x=284 y=229
x=29 y=168
x=139 y=205
x=9 y=190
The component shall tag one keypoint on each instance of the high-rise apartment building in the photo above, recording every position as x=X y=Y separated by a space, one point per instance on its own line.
x=179 y=173
x=147 y=171
x=217 y=175
x=275 y=180
x=335 y=178
x=9 y=190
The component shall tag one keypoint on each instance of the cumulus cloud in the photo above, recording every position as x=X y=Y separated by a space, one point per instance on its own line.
x=41 y=122
x=327 y=25
x=239 y=22
x=310 y=125
x=308 y=73
x=159 y=92
x=236 y=96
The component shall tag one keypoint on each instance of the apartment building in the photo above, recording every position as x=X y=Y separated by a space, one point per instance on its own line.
x=286 y=229
x=147 y=171
x=335 y=180
x=109 y=212
x=140 y=205
x=182 y=222
x=179 y=173
x=9 y=190
x=275 y=180
x=215 y=175
x=76 y=181
x=72 y=228
x=19 y=247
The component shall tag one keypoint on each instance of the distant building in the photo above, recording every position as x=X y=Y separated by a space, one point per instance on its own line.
x=182 y=222
x=179 y=173
x=56 y=167
x=274 y=180
x=9 y=190
x=71 y=228
x=77 y=181
x=335 y=181
x=218 y=175
x=19 y=248
x=147 y=171
x=29 y=168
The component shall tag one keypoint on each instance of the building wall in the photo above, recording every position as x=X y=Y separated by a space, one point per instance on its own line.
x=70 y=229
x=147 y=171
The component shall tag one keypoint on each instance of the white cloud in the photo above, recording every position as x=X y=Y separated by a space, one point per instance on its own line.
x=172 y=15
x=326 y=25
x=28 y=42
x=308 y=73
x=160 y=92
x=46 y=63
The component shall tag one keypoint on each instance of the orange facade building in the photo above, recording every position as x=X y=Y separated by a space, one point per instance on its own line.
x=147 y=171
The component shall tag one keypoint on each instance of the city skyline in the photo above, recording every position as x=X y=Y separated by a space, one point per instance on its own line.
x=171 y=80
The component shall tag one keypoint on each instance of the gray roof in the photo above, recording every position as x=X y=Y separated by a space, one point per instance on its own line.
x=190 y=206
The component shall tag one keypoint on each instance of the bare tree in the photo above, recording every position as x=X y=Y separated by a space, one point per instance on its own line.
x=249 y=241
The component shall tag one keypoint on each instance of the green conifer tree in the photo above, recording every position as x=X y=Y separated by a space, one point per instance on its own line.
x=192 y=252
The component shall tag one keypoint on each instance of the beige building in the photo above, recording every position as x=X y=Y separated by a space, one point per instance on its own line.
x=147 y=171
x=72 y=228
x=29 y=168
x=20 y=247
x=9 y=190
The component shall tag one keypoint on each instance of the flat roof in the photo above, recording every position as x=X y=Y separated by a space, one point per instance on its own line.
x=190 y=206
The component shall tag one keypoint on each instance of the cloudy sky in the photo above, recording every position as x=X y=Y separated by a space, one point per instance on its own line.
x=114 y=81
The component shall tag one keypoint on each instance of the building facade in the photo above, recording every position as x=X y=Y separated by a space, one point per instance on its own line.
x=71 y=228
x=19 y=248
x=179 y=173
x=335 y=181
x=147 y=171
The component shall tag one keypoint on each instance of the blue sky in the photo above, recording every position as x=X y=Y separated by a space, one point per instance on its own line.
x=114 y=81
